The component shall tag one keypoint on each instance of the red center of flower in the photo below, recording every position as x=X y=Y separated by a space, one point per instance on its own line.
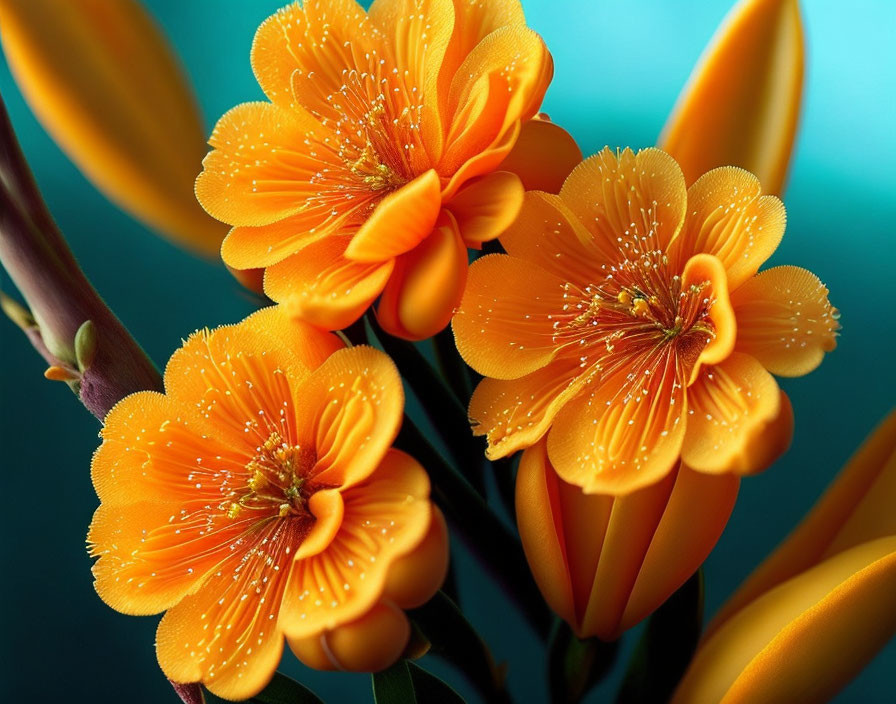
x=276 y=481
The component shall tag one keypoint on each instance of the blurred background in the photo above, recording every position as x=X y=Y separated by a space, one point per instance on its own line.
x=619 y=67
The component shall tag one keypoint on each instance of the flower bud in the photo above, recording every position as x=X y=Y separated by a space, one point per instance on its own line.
x=105 y=84
x=821 y=606
x=604 y=563
x=742 y=103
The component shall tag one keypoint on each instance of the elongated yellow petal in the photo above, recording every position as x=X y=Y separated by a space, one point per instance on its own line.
x=856 y=508
x=742 y=102
x=104 y=83
x=803 y=640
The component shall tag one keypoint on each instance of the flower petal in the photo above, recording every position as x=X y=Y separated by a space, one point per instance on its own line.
x=732 y=410
x=320 y=285
x=543 y=157
x=486 y=206
x=742 y=102
x=426 y=285
x=804 y=640
x=308 y=345
x=514 y=414
x=265 y=245
x=386 y=516
x=501 y=83
x=400 y=222
x=504 y=327
x=728 y=218
x=255 y=175
x=603 y=562
x=549 y=234
x=785 y=320
x=626 y=433
x=237 y=385
x=152 y=553
x=320 y=41
x=227 y=634
x=349 y=411
x=706 y=270
x=418 y=32
x=150 y=452
x=633 y=202
x=855 y=509
x=695 y=516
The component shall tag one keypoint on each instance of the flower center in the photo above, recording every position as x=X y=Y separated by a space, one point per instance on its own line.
x=639 y=308
x=276 y=483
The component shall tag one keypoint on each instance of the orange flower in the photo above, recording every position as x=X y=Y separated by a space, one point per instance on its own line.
x=376 y=157
x=259 y=498
x=628 y=318
x=604 y=563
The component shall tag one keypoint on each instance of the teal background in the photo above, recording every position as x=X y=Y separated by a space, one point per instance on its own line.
x=619 y=67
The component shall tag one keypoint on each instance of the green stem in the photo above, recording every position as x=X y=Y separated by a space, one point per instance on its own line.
x=454 y=639
x=452 y=366
x=448 y=416
x=495 y=547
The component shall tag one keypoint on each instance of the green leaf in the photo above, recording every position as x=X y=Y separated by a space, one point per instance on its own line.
x=280 y=690
x=666 y=648
x=407 y=683
x=455 y=640
x=574 y=665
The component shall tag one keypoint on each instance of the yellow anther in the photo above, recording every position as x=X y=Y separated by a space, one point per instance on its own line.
x=257 y=481
x=624 y=297
x=234 y=510
x=640 y=307
x=284 y=510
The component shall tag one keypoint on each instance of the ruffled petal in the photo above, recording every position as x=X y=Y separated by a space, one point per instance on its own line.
x=501 y=83
x=549 y=234
x=349 y=411
x=319 y=41
x=308 y=345
x=785 y=320
x=256 y=175
x=386 y=516
x=633 y=202
x=730 y=219
x=417 y=33
x=400 y=222
x=705 y=270
x=514 y=414
x=543 y=156
x=486 y=206
x=426 y=286
x=151 y=452
x=732 y=410
x=321 y=286
x=504 y=327
x=626 y=433
x=237 y=384
x=227 y=634
x=152 y=553
x=265 y=245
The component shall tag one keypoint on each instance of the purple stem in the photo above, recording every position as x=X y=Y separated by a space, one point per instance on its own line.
x=43 y=269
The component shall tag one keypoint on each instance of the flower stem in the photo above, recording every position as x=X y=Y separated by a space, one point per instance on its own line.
x=67 y=321
x=453 y=368
x=449 y=417
x=491 y=542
